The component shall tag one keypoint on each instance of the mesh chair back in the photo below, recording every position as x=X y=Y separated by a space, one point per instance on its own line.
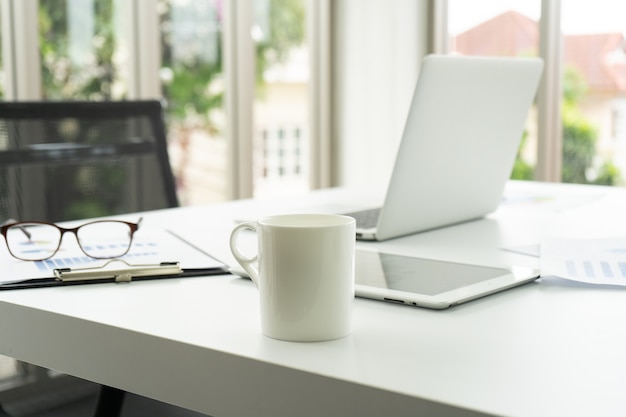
x=72 y=160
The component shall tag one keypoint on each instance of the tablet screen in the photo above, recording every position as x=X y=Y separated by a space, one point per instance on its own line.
x=418 y=275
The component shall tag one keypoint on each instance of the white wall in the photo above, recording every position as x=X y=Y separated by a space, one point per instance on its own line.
x=378 y=47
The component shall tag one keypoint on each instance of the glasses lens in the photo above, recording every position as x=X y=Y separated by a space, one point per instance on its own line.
x=33 y=241
x=106 y=239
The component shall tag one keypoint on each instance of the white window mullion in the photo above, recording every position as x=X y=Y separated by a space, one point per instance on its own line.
x=437 y=36
x=239 y=75
x=549 y=133
x=323 y=159
x=20 y=50
x=144 y=49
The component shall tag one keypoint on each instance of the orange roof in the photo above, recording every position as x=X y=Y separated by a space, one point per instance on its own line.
x=508 y=34
x=601 y=58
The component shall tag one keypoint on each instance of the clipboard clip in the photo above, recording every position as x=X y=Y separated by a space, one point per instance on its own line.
x=126 y=273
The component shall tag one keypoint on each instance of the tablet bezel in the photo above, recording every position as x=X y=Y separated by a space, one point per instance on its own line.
x=512 y=276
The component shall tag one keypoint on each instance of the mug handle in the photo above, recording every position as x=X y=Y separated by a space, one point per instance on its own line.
x=246 y=262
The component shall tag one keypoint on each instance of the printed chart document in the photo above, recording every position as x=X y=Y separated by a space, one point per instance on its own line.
x=150 y=247
x=594 y=261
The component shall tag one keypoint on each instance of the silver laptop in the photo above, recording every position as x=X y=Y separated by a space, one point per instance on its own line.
x=463 y=129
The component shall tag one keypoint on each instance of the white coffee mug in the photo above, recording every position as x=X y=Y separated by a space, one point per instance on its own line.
x=304 y=270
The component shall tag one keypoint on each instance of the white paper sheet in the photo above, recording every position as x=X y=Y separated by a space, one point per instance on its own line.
x=594 y=261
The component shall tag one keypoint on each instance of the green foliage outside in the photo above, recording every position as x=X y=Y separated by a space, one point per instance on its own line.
x=193 y=87
x=190 y=89
x=522 y=170
x=580 y=138
x=286 y=31
x=579 y=141
x=92 y=76
x=89 y=75
x=193 y=97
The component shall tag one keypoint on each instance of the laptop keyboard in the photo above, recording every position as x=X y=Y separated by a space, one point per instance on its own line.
x=365 y=219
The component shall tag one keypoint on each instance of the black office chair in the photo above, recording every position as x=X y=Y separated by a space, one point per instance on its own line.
x=71 y=160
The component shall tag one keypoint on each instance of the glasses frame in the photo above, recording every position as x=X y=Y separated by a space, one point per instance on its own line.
x=73 y=230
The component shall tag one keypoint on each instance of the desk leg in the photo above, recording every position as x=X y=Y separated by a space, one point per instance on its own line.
x=110 y=402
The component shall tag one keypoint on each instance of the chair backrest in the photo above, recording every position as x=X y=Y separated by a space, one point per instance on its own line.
x=72 y=160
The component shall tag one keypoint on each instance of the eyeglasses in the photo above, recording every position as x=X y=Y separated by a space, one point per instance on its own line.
x=38 y=241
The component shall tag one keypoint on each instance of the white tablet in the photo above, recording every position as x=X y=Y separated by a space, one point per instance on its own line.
x=431 y=283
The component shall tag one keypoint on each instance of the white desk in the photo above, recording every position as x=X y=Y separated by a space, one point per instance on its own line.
x=551 y=348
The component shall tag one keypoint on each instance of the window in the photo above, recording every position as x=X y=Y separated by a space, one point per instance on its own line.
x=192 y=80
x=194 y=83
x=280 y=129
x=500 y=29
x=593 y=83
x=192 y=53
x=83 y=53
x=594 y=71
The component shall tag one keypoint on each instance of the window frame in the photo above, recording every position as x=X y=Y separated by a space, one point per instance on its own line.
x=20 y=50
x=549 y=130
x=24 y=81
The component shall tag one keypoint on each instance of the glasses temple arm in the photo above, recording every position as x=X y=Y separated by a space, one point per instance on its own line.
x=23 y=229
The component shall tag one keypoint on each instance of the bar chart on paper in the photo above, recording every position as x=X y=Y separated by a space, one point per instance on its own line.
x=150 y=247
x=141 y=250
x=594 y=261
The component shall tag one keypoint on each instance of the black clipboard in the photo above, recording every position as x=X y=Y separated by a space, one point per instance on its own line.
x=121 y=270
x=128 y=273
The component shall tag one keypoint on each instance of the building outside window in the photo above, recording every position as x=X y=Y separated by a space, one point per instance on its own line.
x=593 y=76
